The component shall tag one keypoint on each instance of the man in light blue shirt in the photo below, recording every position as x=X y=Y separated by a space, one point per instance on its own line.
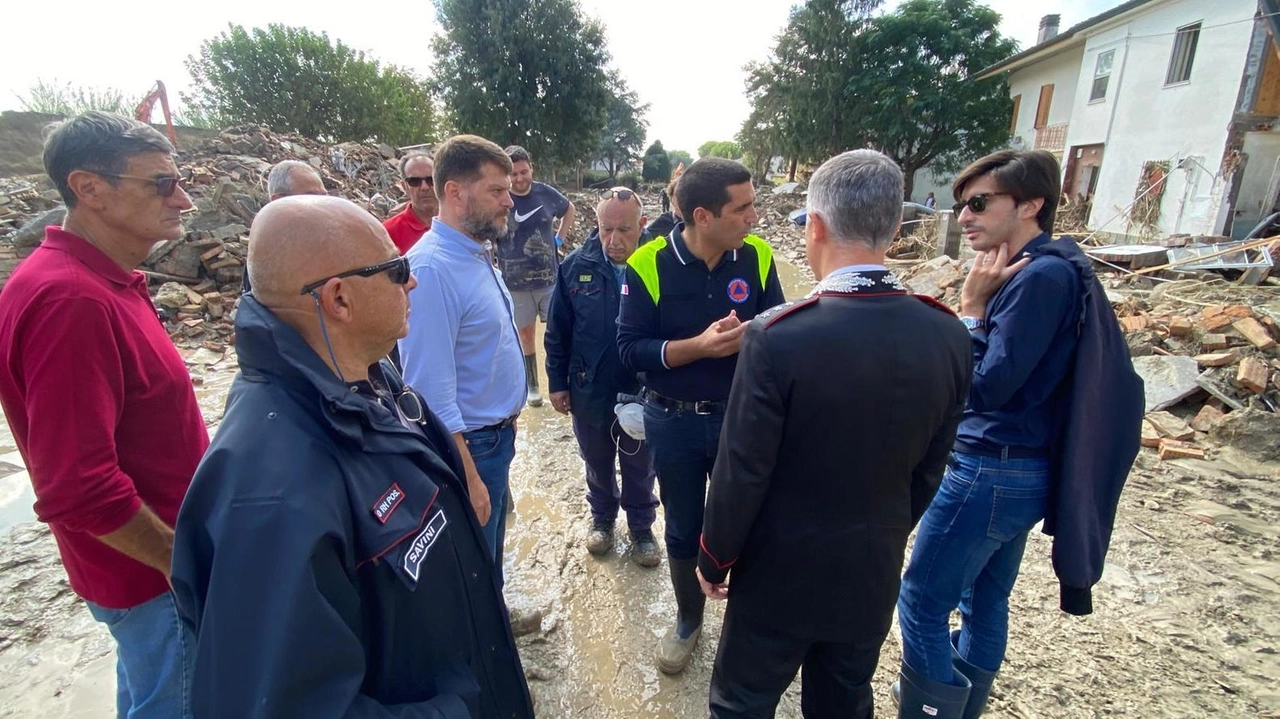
x=462 y=352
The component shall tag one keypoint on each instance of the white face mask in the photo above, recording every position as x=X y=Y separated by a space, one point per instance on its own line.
x=631 y=419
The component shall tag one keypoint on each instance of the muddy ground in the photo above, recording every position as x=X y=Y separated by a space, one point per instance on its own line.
x=1186 y=621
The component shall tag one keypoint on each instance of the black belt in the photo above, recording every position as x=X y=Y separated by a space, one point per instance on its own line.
x=1000 y=452
x=703 y=407
x=499 y=425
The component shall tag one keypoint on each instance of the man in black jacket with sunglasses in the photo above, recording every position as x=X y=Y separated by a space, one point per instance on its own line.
x=327 y=556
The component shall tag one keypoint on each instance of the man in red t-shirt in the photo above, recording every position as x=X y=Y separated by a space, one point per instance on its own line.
x=405 y=228
x=100 y=402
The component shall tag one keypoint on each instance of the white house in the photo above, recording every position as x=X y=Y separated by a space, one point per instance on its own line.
x=1162 y=112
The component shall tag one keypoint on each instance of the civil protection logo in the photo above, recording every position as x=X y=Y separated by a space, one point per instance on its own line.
x=739 y=290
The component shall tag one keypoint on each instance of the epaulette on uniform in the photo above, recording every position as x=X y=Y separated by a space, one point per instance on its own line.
x=934 y=304
x=773 y=314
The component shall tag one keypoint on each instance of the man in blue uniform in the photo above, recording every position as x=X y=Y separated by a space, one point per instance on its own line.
x=528 y=256
x=327 y=555
x=685 y=305
x=585 y=376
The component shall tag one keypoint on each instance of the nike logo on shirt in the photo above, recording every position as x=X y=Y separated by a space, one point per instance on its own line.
x=527 y=215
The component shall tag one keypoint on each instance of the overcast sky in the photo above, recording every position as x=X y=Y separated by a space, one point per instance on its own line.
x=684 y=57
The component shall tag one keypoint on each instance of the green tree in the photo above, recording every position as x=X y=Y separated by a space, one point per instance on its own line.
x=925 y=107
x=727 y=149
x=675 y=157
x=657 y=163
x=58 y=98
x=624 y=128
x=524 y=73
x=900 y=82
x=294 y=80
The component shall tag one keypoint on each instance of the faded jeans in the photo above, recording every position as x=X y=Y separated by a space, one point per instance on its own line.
x=967 y=554
x=155 y=653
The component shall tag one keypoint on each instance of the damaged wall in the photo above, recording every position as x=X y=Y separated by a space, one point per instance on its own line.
x=1142 y=119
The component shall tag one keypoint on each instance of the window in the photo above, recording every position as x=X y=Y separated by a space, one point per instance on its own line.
x=1042 y=110
x=1102 y=75
x=1017 y=105
x=1184 y=55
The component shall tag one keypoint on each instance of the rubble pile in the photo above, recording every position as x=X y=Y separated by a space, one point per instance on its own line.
x=1212 y=373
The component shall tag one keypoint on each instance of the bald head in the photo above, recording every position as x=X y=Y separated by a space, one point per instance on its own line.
x=620 y=222
x=301 y=239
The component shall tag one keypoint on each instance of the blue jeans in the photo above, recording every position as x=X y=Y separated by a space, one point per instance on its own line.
x=155 y=652
x=492 y=451
x=967 y=553
x=684 y=448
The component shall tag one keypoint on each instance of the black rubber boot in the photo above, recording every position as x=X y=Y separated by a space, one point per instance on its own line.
x=979 y=679
x=922 y=698
x=676 y=648
x=534 y=397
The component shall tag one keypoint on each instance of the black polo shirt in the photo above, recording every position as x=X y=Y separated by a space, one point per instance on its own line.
x=689 y=298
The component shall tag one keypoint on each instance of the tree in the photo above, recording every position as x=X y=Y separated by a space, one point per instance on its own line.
x=294 y=80
x=624 y=128
x=927 y=107
x=523 y=73
x=675 y=157
x=657 y=164
x=57 y=98
x=900 y=82
x=727 y=149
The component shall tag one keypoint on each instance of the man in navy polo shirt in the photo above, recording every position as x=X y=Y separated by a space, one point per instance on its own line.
x=685 y=306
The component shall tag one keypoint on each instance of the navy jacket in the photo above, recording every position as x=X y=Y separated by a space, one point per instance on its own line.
x=1099 y=436
x=328 y=559
x=582 y=335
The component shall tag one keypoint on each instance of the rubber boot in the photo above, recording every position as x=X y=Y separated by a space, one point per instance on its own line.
x=923 y=698
x=534 y=397
x=980 y=679
x=676 y=649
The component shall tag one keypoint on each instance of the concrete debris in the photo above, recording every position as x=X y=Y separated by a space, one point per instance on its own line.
x=940 y=278
x=1169 y=380
x=1252 y=431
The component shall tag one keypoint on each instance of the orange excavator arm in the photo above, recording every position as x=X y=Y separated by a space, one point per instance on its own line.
x=143 y=112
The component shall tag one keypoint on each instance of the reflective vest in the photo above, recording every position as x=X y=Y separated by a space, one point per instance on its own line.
x=645 y=262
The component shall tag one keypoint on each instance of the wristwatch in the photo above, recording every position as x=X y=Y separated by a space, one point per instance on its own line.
x=974 y=323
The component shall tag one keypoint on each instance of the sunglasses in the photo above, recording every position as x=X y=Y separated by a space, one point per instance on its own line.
x=978 y=203
x=621 y=193
x=416 y=181
x=165 y=186
x=397 y=270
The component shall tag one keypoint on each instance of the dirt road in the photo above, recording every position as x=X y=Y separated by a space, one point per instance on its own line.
x=1186 y=622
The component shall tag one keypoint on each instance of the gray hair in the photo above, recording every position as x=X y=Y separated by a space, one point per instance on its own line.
x=859 y=196
x=280 y=179
x=404 y=161
x=97 y=142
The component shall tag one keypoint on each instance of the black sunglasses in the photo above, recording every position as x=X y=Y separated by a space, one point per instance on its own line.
x=165 y=186
x=620 y=193
x=977 y=203
x=415 y=181
x=397 y=270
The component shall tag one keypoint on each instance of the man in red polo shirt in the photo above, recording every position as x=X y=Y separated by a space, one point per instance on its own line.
x=405 y=228
x=100 y=402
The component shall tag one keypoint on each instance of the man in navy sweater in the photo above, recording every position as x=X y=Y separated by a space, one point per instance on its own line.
x=1035 y=313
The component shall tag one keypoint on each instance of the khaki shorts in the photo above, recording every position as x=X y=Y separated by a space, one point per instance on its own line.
x=531 y=303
